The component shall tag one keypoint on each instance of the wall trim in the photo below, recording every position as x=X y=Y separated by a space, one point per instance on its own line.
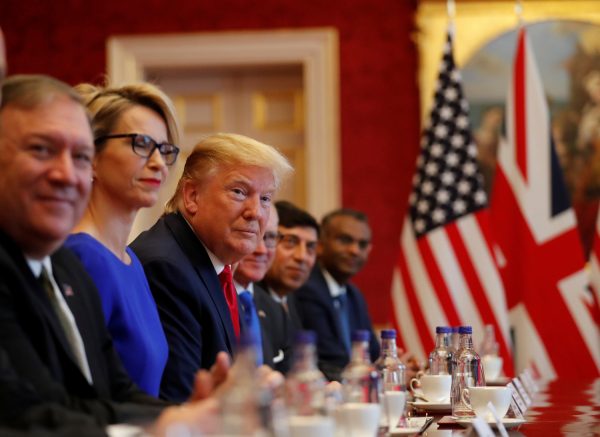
x=315 y=49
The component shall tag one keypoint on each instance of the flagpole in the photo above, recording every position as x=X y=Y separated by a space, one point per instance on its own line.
x=519 y=12
x=451 y=9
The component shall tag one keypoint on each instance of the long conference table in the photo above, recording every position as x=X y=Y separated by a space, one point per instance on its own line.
x=560 y=408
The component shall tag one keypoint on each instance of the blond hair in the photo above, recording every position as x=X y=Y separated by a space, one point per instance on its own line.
x=107 y=104
x=222 y=150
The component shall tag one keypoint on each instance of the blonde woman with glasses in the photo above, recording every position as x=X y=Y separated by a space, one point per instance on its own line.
x=135 y=132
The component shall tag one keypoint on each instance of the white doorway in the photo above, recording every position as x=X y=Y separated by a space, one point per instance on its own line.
x=280 y=87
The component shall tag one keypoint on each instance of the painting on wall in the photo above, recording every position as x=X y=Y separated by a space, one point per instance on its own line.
x=568 y=56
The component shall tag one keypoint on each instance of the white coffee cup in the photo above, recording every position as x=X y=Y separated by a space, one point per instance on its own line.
x=393 y=402
x=317 y=426
x=479 y=397
x=359 y=419
x=492 y=367
x=435 y=388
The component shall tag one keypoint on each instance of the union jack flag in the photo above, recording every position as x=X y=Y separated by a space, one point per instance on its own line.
x=542 y=264
x=446 y=272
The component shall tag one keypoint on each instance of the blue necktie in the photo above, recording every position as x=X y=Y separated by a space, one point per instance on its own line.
x=340 y=303
x=251 y=324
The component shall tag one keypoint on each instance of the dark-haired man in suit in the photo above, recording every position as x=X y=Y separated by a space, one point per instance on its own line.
x=295 y=256
x=328 y=302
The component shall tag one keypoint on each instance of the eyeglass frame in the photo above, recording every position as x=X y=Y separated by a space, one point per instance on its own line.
x=271 y=239
x=148 y=138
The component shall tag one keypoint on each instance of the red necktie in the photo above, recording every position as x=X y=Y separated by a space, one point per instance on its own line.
x=226 y=280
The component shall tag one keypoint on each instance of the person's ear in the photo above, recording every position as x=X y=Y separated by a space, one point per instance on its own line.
x=190 y=193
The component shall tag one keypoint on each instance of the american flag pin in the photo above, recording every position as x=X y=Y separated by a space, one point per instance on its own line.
x=68 y=290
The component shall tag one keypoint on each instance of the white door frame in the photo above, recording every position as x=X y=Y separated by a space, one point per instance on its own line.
x=129 y=57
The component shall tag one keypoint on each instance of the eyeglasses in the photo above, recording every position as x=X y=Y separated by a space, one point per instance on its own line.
x=290 y=241
x=270 y=239
x=144 y=146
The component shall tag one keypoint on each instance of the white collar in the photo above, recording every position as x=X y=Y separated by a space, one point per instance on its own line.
x=240 y=288
x=36 y=266
x=335 y=289
x=277 y=298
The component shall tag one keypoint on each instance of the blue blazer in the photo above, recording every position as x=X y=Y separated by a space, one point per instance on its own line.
x=314 y=306
x=190 y=302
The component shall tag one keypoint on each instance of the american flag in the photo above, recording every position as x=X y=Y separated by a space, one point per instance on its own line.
x=446 y=273
x=552 y=311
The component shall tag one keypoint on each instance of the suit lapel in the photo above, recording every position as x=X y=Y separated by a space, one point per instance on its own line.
x=202 y=264
x=325 y=296
x=76 y=303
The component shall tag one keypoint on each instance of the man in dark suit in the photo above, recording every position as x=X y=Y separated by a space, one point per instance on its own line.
x=216 y=217
x=274 y=325
x=58 y=366
x=295 y=256
x=328 y=303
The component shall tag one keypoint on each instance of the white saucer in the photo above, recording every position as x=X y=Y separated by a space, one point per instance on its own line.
x=508 y=422
x=415 y=426
x=431 y=406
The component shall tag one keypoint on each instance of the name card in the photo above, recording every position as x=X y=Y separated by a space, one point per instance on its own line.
x=517 y=404
x=528 y=382
x=522 y=391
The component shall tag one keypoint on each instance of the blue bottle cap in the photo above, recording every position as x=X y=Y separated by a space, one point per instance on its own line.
x=443 y=330
x=454 y=329
x=465 y=330
x=387 y=334
x=361 y=335
x=306 y=337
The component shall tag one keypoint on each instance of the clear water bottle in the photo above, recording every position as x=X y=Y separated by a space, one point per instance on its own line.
x=305 y=384
x=361 y=390
x=392 y=371
x=454 y=339
x=392 y=374
x=441 y=358
x=241 y=404
x=309 y=407
x=468 y=372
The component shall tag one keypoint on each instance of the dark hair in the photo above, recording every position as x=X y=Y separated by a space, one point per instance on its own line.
x=290 y=216
x=343 y=212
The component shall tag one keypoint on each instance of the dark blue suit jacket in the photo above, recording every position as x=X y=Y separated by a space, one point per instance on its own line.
x=190 y=302
x=275 y=331
x=315 y=308
x=40 y=382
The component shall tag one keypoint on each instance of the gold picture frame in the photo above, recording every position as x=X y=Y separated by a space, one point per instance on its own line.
x=478 y=22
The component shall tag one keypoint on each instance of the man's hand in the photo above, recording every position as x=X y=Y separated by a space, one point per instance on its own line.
x=207 y=382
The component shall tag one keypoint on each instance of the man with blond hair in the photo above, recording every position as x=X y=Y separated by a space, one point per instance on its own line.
x=216 y=217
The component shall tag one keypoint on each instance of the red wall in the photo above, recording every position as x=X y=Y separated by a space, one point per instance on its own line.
x=378 y=68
